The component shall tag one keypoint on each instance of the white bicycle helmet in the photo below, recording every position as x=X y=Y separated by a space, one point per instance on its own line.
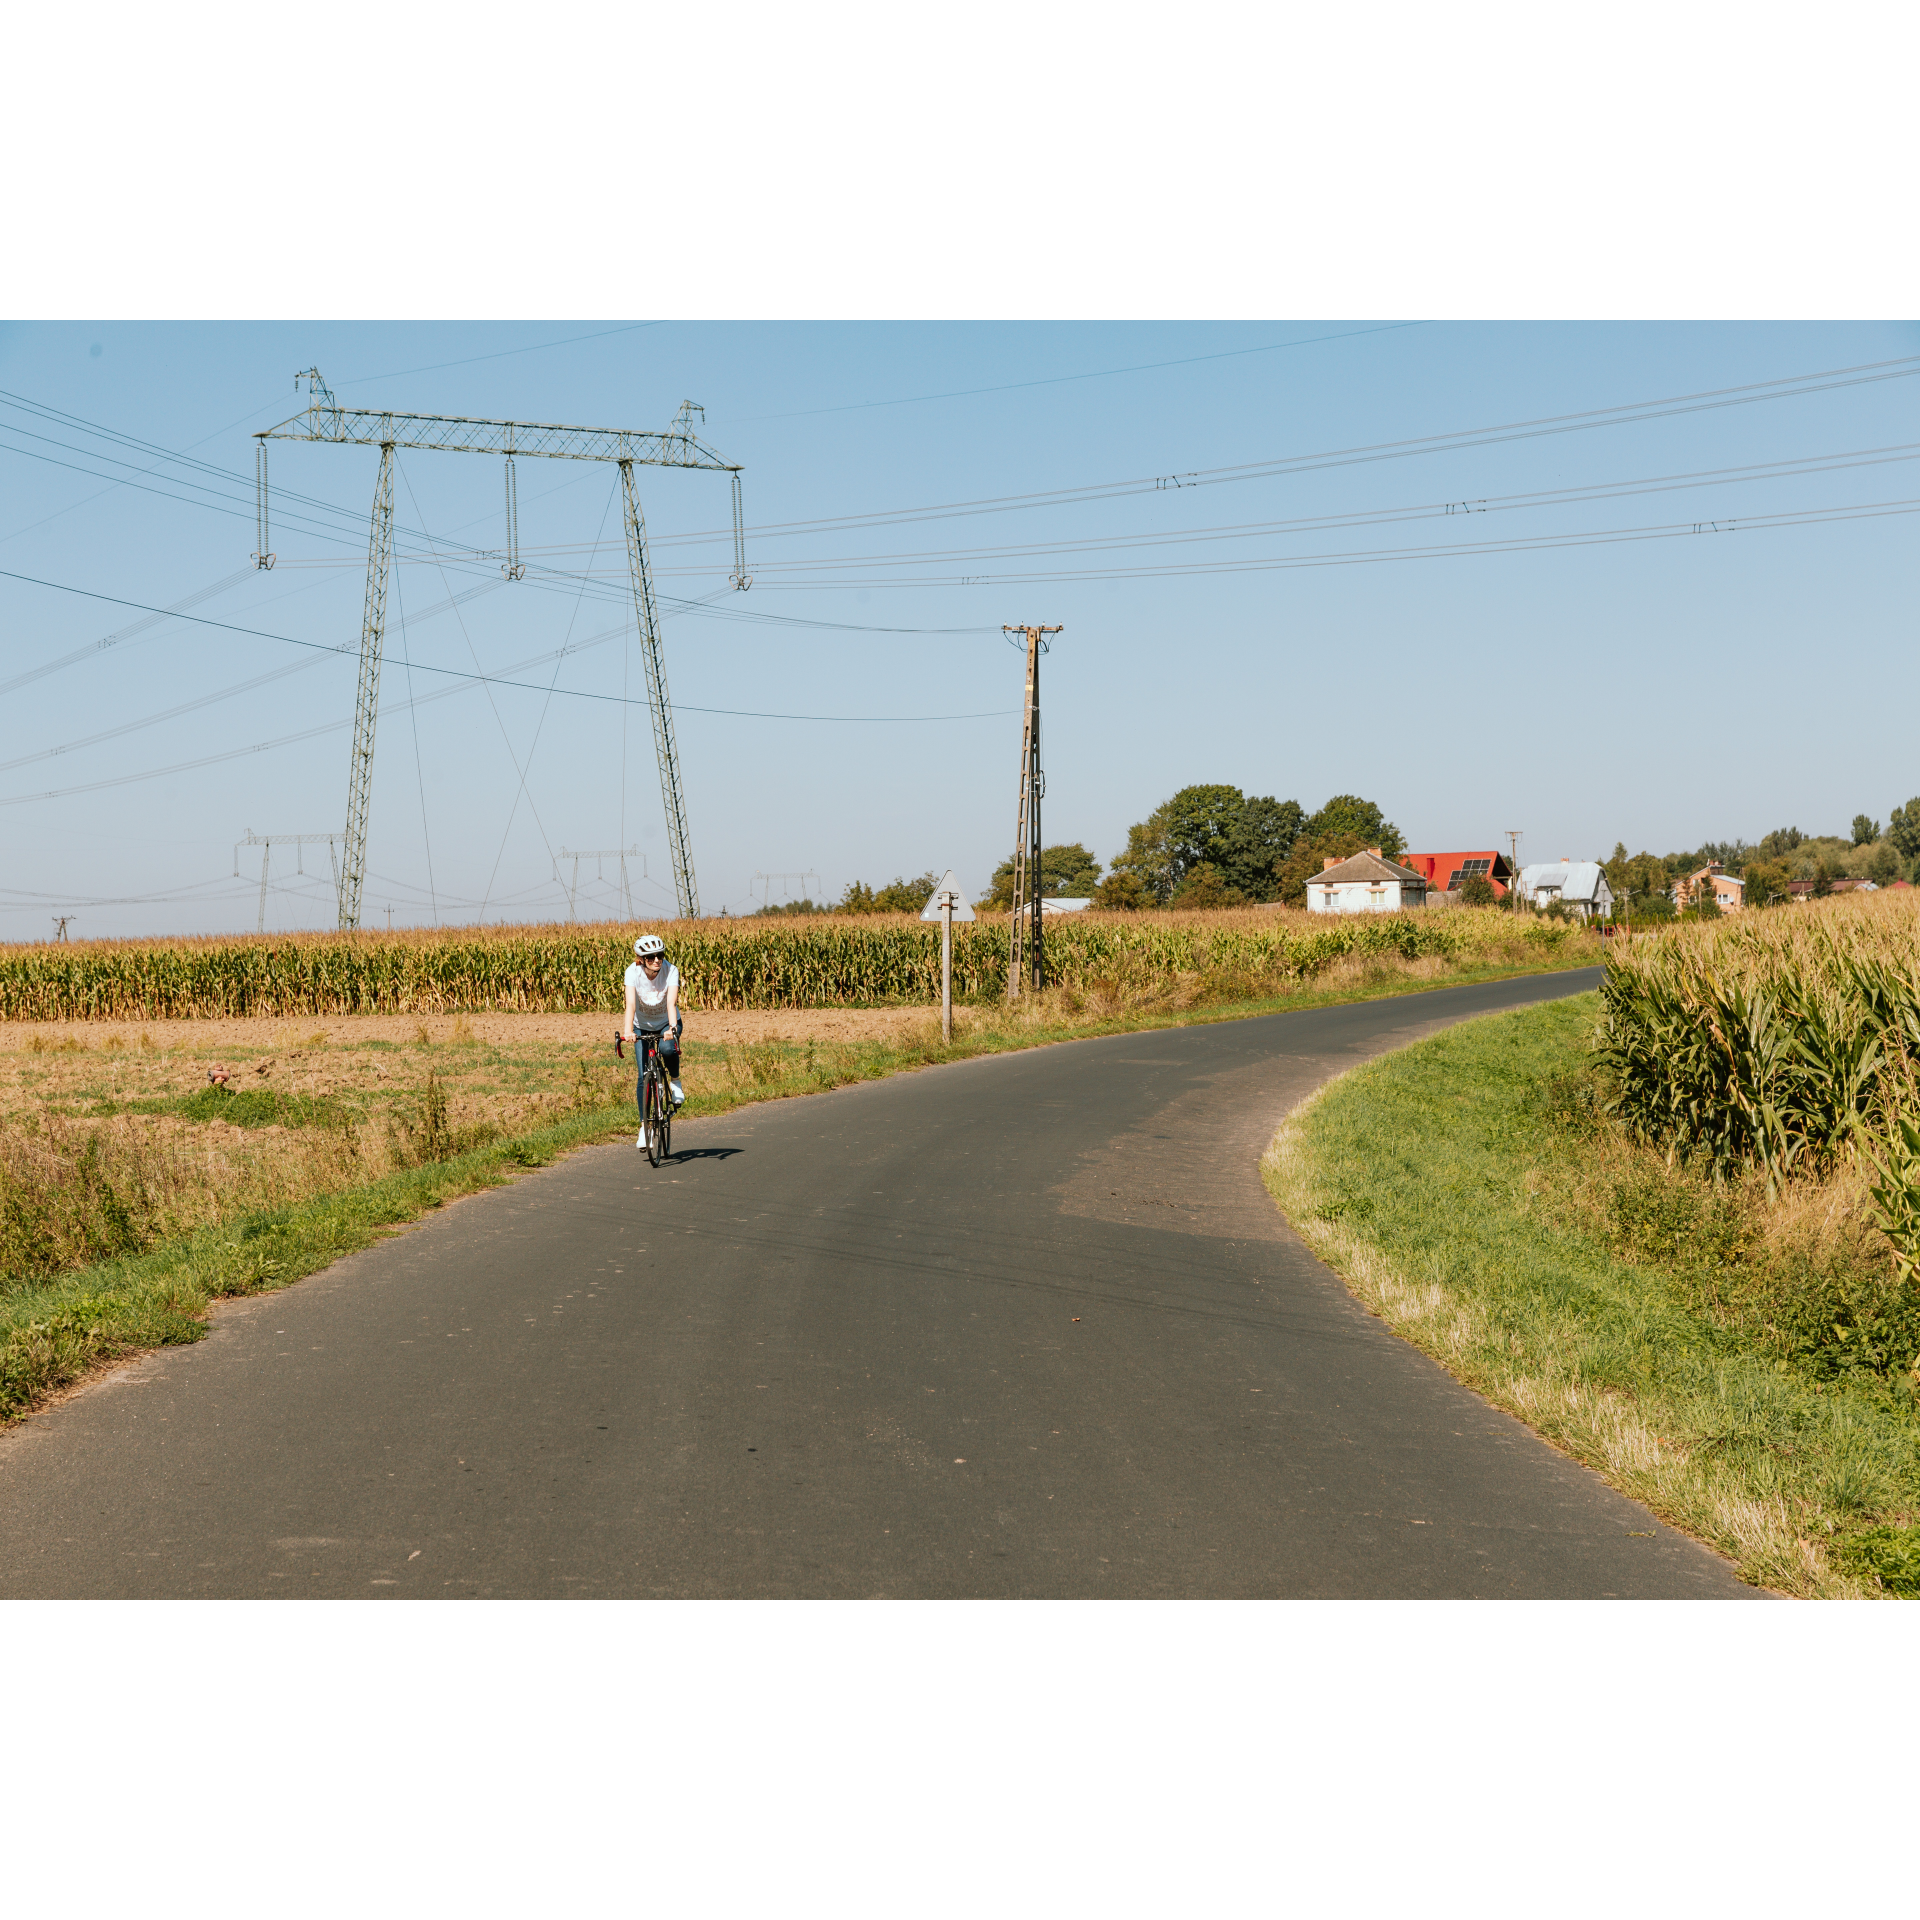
x=649 y=944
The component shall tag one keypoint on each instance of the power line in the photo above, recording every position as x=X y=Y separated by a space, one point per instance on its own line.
x=1465 y=439
x=496 y=680
x=346 y=532
x=505 y=353
x=1809 y=466
x=1061 y=379
x=1534 y=543
x=74 y=505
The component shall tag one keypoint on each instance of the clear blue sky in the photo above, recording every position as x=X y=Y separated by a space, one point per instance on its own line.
x=1660 y=690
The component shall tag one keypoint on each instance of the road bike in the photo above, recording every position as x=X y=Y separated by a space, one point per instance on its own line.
x=656 y=1098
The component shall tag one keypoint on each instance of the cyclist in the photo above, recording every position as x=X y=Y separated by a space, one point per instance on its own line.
x=653 y=1017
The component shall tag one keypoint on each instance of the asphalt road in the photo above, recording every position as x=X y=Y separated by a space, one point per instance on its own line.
x=1021 y=1326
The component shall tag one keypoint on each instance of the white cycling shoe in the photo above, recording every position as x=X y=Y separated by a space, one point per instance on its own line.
x=641 y=1143
x=679 y=1098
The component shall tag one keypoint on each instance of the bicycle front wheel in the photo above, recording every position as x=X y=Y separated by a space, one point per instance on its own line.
x=650 y=1123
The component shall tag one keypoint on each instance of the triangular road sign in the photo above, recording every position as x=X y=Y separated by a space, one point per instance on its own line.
x=949 y=888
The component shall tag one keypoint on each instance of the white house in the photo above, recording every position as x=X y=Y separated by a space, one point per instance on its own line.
x=1579 y=885
x=1365 y=884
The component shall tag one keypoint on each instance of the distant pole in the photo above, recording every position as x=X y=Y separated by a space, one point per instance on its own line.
x=946 y=969
x=1513 y=865
x=1026 y=929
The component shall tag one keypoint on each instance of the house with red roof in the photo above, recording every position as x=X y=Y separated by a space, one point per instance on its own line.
x=1445 y=871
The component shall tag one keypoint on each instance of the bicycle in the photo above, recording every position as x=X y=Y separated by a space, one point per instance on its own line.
x=656 y=1097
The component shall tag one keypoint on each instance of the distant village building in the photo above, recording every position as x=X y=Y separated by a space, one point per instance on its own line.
x=1446 y=871
x=1365 y=883
x=1061 y=904
x=1712 y=878
x=1578 y=885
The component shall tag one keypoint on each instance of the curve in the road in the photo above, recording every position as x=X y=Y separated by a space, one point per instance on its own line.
x=1027 y=1325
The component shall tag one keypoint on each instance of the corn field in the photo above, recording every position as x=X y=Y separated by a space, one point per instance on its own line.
x=1787 y=1038
x=827 y=962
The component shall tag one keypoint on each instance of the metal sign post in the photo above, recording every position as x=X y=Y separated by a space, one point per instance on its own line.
x=947 y=905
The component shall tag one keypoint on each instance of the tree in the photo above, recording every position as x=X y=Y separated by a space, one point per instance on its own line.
x=1767 y=884
x=1348 y=817
x=1067 y=871
x=1146 y=858
x=1259 y=841
x=1199 y=824
x=1782 y=840
x=1733 y=855
x=858 y=898
x=1123 y=891
x=1903 y=829
x=1865 y=830
x=1476 y=890
x=1205 y=887
x=1884 y=867
x=1822 y=880
x=1212 y=826
x=905 y=896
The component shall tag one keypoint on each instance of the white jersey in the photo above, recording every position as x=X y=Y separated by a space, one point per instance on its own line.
x=650 y=996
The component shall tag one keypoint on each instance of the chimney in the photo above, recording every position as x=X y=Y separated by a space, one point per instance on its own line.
x=1330 y=861
x=1375 y=851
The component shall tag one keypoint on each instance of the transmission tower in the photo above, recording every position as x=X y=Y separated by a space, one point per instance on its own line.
x=599 y=856
x=266 y=842
x=326 y=420
x=766 y=895
x=1025 y=953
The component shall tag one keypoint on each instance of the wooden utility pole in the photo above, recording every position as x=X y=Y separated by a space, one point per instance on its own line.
x=1025 y=952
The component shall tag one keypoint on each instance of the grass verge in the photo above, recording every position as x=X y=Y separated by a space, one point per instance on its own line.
x=1437 y=1183
x=55 y=1330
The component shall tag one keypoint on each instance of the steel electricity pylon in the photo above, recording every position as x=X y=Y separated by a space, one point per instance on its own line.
x=599 y=856
x=266 y=842
x=326 y=420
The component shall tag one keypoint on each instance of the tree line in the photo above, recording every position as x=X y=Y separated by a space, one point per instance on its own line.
x=1642 y=883
x=1212 y=846
x=1206 y=846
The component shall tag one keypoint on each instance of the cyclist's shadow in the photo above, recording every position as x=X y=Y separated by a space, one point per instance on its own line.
x=685 y=1154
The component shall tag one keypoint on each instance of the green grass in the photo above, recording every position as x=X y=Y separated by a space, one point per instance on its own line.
x=54 y=1331
x=1437 y=1184
x=251 y=1107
